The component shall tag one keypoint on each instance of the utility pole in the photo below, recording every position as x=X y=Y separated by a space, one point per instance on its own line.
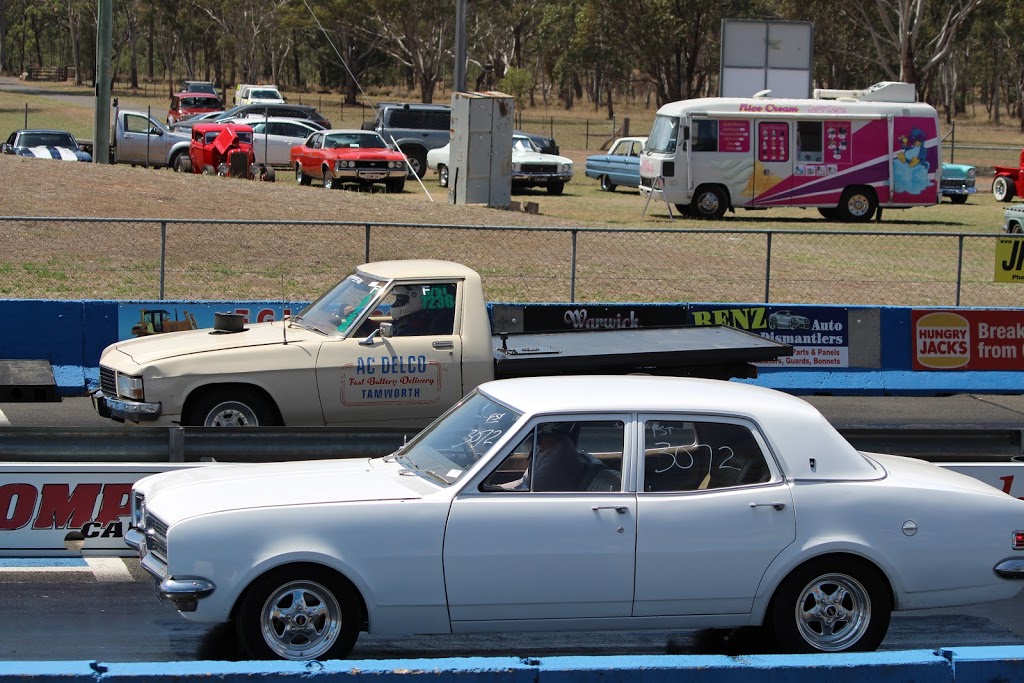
x=101 y=125
x=459 y=80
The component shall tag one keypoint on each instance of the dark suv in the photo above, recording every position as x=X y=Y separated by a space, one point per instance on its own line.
x=291 y=111
x=414 y=127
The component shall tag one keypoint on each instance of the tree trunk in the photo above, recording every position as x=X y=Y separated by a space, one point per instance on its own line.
x=3 y=36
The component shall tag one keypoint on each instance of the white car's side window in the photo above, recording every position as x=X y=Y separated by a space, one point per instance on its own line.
x=563 y=457
x=693 y=456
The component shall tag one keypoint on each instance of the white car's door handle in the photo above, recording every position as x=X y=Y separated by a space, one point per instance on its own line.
x=443 y=345
x=777 y=506
x=621 y=509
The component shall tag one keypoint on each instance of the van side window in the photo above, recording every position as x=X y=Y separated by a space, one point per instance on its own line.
x=809 y=141
x=705 y=136
x=694 y=456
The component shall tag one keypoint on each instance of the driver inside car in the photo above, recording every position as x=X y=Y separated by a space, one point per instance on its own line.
x=555 y=464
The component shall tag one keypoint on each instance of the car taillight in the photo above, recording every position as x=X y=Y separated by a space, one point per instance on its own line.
x=1018 y=540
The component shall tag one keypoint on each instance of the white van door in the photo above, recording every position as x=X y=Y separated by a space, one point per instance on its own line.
x=773 y=162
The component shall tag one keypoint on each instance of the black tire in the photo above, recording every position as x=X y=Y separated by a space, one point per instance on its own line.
x=322 y=613
x=556 y=188
x=254 y=171
x=329 y=183
x=184 y=164
x=684 y=210
x=857 y=205
x=222 y=170
x=958 y=198
x=300 y=177
x=232 y=407
x=1003 y=189
x=417 y=159
x=607 y=185
x=442 y=175
x=175 y=161
x=829 y=213
x=1014 y=229
x=834 y=603
x=395 y=185
x=709 y=202
x=267 y=174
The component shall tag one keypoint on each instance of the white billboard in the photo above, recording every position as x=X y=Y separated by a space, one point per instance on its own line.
x=766 y=55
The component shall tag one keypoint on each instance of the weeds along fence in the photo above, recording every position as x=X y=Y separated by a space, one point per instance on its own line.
x=128 y=259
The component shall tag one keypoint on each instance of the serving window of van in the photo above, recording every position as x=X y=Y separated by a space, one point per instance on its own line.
x=704 y=137
x=809 y=141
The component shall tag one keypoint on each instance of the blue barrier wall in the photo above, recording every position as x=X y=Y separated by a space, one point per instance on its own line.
x=946 y=665
x=72 y=334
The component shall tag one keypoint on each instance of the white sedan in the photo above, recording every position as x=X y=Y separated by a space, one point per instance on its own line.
x=274 y=137
x=530 y=166
x=589 y=503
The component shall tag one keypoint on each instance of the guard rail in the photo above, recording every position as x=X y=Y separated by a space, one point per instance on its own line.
x=274 y=444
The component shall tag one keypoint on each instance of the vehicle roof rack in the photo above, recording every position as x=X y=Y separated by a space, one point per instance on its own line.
x=885 y=91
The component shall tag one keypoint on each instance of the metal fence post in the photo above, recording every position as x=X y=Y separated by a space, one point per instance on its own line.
x=572 y=274
x=768 y=267
x=366 y=245
x=959 y=266
x=163 y=256
x=26 y=115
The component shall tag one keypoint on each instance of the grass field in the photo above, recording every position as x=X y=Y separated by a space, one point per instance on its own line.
x=912 y=257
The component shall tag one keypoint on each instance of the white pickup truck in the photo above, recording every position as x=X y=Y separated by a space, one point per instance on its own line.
x=395 y=343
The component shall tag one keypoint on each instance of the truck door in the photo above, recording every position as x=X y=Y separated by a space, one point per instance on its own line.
x=141 y=141
x=412 y=376
x=773 y=163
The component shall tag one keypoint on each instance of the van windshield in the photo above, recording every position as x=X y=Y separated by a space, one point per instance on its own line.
x=663 y=134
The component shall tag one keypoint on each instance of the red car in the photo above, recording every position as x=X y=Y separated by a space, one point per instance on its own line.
x=224 y=149
x=349 y=156
x=185 y=105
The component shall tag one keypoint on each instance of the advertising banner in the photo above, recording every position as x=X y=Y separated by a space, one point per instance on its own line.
x=819 y=335
x=967 y=340
x=156 y=317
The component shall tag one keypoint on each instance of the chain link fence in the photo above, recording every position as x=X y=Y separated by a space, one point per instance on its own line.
x=124 y=259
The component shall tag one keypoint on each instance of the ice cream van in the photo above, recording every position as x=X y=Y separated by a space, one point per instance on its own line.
x=845 y=152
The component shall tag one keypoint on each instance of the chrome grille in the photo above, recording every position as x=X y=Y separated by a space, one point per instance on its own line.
x=364 y=164
x=156 y=537
x=107 y=382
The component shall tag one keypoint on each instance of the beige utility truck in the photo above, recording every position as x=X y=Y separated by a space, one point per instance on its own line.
x=394 y=344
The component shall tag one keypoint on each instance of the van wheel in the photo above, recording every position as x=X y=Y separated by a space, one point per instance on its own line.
x=829 y=213
x=857 y=205
x=299 y=612
x=831 y=604
x=606 y=184
x=709 y=202
x=228 y=407
x=1002 y=189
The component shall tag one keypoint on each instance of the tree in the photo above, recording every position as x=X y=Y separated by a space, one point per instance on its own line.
x=419 y=36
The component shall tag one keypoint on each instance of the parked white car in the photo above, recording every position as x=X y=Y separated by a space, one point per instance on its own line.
x=586 y=502
x=530 y=166
x=274 y=137
x=1013 y=219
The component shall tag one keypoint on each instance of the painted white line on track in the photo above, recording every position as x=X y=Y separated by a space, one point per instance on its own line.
x=109 y=569
x=4 y=422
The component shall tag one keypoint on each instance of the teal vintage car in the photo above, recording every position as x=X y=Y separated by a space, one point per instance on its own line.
x=957 y=182
x=620 y=166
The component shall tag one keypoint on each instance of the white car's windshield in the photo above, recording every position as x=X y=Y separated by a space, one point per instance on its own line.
x=523 y=144
x=453 y=444
x=341 y=308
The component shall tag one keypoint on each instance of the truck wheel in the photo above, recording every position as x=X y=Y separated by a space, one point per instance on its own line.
x=209 y=170
x=223 y=170
x=329 y=180
x=298 y=612
x=300 y=177
x=556 y=188
x=176 y=161
x=417 y=159
x=1002 y=189
x=184 y=164
x=395 y=185
x=831 y=604
x=442 y=175
x=228 y=407
x=709 y=202
x=606 y=184
x=857 y=205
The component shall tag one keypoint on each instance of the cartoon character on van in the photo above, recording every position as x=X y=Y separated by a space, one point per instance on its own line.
x=910 y=168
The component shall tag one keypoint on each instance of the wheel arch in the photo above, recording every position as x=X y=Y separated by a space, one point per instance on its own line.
x=785 y=564
x=199 y=392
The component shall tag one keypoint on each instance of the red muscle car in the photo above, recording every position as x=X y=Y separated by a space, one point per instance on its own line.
x=349 y=156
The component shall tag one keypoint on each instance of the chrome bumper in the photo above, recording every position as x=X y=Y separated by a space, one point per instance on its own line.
x=541 y=177
x=184 y=594
x=124 y=411
x=1012 y=568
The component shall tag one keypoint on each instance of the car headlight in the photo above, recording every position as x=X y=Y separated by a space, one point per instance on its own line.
x=515 y=168
x=566 y=168
x=970 y=173
x=129 y=387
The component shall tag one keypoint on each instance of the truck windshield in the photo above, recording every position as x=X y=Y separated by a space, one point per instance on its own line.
x=455 y=442
x=663 y=134
x=338 y=310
